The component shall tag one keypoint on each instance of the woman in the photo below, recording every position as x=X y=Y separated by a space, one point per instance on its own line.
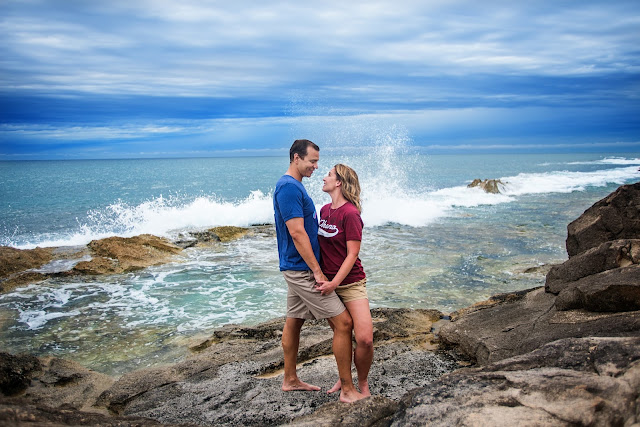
x=340 y=234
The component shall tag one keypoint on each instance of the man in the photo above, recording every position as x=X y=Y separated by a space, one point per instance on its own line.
x=299 y=251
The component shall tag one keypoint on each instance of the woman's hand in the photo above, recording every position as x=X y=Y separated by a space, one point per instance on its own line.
x=326 y=287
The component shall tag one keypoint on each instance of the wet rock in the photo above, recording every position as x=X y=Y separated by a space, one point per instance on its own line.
x=615 y=217
x=14 y=260
x=121 y=254
x=17 y=265
x=99 y=265
x=494 y=186
x=21 y=279
x=575 y=381
x=221 y=234
x=229 y=233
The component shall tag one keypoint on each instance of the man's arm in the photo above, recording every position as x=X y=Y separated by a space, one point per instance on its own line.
x=303 y=245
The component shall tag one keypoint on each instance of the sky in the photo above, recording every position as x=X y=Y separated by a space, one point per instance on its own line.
x=86 y=79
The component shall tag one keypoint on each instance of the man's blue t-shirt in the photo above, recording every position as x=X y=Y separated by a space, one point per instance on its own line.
x=290 y=200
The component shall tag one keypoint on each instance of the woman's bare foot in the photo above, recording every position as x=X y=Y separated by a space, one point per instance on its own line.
x=297 y=385
x=350 y=396
x=337 y=386
x=364 y=388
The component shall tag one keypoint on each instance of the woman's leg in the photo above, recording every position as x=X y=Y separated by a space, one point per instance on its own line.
x=363 y=354
x=363 y=328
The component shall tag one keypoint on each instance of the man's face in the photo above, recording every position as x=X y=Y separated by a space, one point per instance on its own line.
x=309 y=164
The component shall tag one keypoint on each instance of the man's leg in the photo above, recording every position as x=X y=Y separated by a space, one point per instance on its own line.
x=341 y=325
x=290 y=344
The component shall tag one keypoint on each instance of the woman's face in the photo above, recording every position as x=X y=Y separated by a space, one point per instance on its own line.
x=330 y=181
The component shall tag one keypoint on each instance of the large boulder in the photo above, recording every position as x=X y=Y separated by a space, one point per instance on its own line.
x=603 y=278
x=615 y=217
x=604 y=257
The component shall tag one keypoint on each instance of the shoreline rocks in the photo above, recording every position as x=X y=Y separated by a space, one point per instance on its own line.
x=111 y=255
x=235 y=377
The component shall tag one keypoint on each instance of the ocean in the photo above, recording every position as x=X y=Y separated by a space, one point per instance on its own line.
x=429 y=240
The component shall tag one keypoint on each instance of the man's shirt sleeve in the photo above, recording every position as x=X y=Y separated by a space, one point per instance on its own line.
x=290 y=202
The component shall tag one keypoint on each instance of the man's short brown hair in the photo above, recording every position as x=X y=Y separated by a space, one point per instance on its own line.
x=300 y=147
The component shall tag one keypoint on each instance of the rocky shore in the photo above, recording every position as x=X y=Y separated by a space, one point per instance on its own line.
x=567 y=353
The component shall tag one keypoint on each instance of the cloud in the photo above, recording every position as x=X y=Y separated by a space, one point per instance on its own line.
x=106 y=70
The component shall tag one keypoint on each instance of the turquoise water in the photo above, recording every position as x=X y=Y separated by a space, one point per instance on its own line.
x=429 y=241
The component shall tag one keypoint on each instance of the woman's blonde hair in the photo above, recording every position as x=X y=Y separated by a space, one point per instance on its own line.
x=350 y=184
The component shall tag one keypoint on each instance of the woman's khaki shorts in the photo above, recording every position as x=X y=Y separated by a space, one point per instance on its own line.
x=304 y=301
x=353 y=291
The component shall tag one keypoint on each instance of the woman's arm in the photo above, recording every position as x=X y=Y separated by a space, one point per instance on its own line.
x=353 y=249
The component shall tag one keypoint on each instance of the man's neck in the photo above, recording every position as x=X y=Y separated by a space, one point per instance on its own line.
x=293 y=172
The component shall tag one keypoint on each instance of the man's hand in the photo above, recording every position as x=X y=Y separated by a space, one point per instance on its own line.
x=326 y=287
x=319 y=276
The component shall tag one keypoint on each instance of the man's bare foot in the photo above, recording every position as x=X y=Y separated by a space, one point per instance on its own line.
x=298 y=385
x=337 y=386
x=364 y=388
x=350 y=396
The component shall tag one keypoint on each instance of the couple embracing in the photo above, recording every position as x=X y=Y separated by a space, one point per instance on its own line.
x=319 y=261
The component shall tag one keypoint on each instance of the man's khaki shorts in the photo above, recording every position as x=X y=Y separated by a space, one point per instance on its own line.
x=304 y=301
x=353 y=291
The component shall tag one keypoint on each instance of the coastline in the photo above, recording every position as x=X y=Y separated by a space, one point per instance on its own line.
x=573 y=341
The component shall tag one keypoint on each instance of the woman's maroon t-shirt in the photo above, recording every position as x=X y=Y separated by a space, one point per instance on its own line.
x=337 y=226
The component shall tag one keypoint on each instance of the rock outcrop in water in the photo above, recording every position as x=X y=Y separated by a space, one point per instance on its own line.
x=567 y=353
x=112 y=255
x=494 y=186
x=124 y=254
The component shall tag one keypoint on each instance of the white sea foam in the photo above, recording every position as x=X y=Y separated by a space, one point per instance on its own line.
x=420 y=209
x=386 y=199
x=36 y=319
x=163 y=216
x=609 y=161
